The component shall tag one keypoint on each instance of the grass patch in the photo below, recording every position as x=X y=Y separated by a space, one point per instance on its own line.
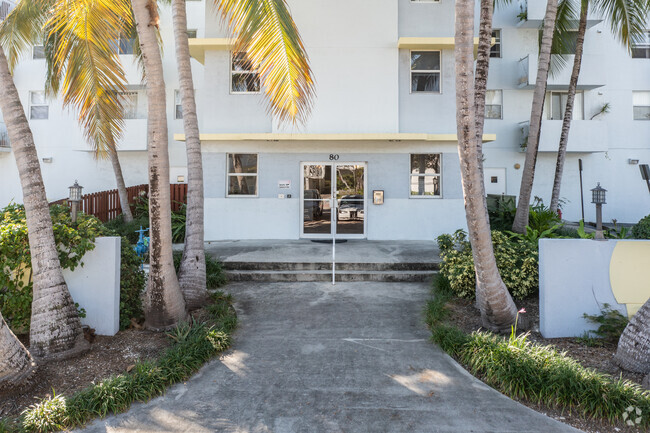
x=194 y=344
x=521 y=369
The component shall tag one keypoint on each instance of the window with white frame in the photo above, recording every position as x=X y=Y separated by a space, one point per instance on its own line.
x=641 y=49
x=495 y=50
x=178 y=107
x=243 y=75
x=38 y=106
x=134 y=104
x=424 y=178
x=38 y=52
x=494 y=104
x=641 y=105
x=124 y=45
x=242 y=174
x=555 y=105
x=425 y=71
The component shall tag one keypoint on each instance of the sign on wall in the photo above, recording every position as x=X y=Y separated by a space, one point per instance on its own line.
x=284 y=184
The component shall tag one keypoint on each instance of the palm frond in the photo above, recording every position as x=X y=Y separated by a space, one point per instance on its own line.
x=23 y=28
x=563 y=45
x=627 y=18
x=266 y=32
x=83 y=64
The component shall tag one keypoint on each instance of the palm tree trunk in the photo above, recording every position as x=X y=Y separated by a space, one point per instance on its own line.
x=528 y=175
x=164 y=306
x=568 y=113
x=633 y=352
x=16 y=364
x=55 y=330
x=121 y=186
x=191 y=274
x=498 y=311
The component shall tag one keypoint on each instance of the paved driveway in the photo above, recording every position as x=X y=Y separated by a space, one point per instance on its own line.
x=312 y=357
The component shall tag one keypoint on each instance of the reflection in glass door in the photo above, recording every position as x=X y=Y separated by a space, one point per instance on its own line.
x=333 y=199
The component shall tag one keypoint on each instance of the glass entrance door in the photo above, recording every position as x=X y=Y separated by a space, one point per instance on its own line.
x=333 y=200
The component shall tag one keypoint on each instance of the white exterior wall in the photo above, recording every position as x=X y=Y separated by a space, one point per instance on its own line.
x=363 y=86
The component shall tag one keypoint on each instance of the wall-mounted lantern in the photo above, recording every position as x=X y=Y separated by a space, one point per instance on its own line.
x=598 y=198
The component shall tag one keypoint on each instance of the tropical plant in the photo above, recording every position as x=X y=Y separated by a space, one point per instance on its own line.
x=628 y=23
x=498 y=311
x=641 y=230
x=611 y=323
x=528 y=175
x=55 y=326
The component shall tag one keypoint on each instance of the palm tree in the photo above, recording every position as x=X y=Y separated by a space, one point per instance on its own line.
x=16 y=364
x=633 y=351
x=55 y=330
x=265 y=31
x=528 y=175
x=498 y=310
x=164 y=305
x=84 y=62
x=627 y=20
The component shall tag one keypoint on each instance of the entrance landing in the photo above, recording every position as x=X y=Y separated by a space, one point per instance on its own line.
x=304 y=260
x=306 y=251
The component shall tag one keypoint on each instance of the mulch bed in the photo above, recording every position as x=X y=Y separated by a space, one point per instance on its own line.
x=467 y=318
x=107 y=356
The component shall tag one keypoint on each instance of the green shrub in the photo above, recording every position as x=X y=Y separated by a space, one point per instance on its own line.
x=178 y=224
x=501 y=212
x=542 y=218
x=127 y=230
x=72 y=240
x=517 y=261
x=132 y=284
x=215 y=275
x=611 y=324
x=642 y=229
x=194 y=345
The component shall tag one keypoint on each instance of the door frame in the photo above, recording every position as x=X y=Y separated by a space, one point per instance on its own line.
x=334 y=203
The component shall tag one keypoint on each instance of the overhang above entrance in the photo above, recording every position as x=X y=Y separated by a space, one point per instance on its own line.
x=396 y=137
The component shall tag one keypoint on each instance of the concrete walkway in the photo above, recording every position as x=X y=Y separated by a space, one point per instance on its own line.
x=312 y=357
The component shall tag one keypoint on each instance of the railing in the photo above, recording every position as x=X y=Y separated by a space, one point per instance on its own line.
x=105 y=205
x=5 y=7
x=4 y=136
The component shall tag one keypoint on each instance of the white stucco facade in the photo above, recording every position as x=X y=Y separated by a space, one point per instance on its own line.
x=363 y=86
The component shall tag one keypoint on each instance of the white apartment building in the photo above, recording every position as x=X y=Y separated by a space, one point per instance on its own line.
x=378 y=157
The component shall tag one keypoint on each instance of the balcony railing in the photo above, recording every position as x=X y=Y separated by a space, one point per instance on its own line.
x=4 y=136
x=5 y=7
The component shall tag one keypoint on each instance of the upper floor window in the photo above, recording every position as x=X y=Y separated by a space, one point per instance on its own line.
x=242 y=174
x=555 y=105
x=124 y=45
x=191 y=34
x=38 y=52
x=178 y=107
x=243 y=75
x=641 y=105
x=494 y=104
x=134 y=104
x=425 y=71
x=425 y=175
x=38 y=106
x=641 y=49
x=495 y=50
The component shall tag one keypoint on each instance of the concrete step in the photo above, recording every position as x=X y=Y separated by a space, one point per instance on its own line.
x=327 y=266
x=326 y=275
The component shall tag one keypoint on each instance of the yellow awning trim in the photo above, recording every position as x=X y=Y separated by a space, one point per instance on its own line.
x=198 y=46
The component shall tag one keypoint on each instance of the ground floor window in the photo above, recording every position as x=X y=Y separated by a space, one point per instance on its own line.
x=425 y=175
x=242 y=175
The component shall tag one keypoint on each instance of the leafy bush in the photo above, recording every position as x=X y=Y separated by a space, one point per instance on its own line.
x=178 y=224
x=132 y=281
x=642 y=229
x=127 y=230
x=72 y=240
x=501 y=212
x=194 y=344
x=215 y=275
x=611 y=324
x=542 y=218
x=517 y=261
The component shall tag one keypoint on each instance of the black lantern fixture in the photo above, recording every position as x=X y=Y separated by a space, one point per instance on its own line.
x=598 y=198
x=75 y=199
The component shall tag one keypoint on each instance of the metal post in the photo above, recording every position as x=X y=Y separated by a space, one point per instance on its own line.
x=582 y=200
x=332 y=206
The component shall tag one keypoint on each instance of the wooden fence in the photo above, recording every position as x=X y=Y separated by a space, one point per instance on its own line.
x=105 y=205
